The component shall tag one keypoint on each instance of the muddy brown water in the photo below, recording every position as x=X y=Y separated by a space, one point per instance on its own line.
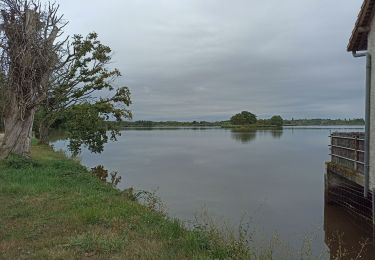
x=271 y=180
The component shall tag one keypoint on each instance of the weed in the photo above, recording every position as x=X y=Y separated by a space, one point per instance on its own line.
x=102 y=174
x=96 y=243
x=149 y=199
x=20 y=162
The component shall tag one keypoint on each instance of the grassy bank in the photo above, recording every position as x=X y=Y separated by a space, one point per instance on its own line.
x=53 y=208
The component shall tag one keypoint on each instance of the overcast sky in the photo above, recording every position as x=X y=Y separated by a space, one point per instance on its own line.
x=209 y=59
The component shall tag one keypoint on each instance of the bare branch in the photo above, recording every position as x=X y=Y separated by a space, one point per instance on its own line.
x=29 y=51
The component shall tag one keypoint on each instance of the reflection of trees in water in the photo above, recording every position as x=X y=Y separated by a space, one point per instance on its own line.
x=251 y=135
x=277 y=133
x=57 y=135
x=244 y=137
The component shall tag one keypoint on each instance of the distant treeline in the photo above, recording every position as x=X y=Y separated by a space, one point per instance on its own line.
x=323 y=122
x=171 y=124
x=293 y=122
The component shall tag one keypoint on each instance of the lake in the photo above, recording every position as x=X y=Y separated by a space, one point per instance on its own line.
x=271 y=180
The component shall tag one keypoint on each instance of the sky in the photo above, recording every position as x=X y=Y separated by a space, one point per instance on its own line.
x=209 y=59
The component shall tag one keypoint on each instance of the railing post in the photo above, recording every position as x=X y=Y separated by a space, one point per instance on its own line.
x=347 y=153
x=332 y=147
x=356 y=154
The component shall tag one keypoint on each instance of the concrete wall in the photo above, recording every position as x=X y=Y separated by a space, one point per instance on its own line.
x=371 y=49
x=344 y=193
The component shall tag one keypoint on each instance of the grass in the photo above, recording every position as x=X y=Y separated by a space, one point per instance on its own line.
x=51 y=207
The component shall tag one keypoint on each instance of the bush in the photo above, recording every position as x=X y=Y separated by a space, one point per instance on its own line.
x=20 y=162
x=277 y=121
x=102 y=174
x=244 y=118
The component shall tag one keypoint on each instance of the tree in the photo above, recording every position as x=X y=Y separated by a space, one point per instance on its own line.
x=2 y=103
x=277 y=121
x=87 y=125
x=82 y=73
x=29 y=52
x=244 y=118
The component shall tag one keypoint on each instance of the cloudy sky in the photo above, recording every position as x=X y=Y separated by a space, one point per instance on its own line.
x=208 y=59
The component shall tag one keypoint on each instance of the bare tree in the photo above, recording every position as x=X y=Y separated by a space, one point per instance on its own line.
x=29 y=53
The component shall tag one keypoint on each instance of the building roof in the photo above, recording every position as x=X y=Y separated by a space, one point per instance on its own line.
x=358 y=40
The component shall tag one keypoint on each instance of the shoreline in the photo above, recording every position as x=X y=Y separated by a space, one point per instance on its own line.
x=53 y=207
x=250 y=128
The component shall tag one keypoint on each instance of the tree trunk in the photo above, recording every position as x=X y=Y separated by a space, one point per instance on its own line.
x=43 y=133
x=18 y=134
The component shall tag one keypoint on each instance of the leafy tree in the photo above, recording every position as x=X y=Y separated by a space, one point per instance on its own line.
x=244 y=118
x=277 y=121
x=82 y=75
x=86 y=124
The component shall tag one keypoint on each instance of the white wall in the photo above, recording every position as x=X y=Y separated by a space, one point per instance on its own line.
x=371 y=49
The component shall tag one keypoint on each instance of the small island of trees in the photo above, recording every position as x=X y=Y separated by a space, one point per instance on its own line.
x=246 y=120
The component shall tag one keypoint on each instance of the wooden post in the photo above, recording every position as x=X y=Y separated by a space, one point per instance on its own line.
x=332 y=147
x=356 y=154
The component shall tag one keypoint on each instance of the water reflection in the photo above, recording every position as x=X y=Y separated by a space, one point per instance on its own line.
x=57 y=135
x=277 y=182
x=346 y=235
x=277 y=134
x=244 y=137
x=249 y=136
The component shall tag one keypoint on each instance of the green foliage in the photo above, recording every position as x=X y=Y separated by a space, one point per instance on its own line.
x=244 y=118
x=147 y=198
x=19 y=162
x=86 y=125
x=160 y=124
x=102 y=174
x=261 y=123
x=277 y=121
x=324 y=122
x=91 y=244
x=82 y=75
x=60 y=211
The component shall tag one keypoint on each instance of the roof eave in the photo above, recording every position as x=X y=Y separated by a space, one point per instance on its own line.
x=358 y=40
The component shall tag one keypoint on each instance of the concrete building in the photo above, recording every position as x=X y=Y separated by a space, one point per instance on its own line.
x=362 y=42
x=350 y=177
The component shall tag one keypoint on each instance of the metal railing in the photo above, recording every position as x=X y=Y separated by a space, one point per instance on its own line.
x=347 y=149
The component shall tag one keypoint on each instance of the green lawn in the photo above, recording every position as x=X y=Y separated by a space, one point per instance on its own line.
x=52 y=208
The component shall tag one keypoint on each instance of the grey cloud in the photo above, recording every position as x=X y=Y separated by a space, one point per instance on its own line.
x=207 y=59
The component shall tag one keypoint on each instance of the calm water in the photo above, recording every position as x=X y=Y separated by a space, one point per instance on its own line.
x=273 y=180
